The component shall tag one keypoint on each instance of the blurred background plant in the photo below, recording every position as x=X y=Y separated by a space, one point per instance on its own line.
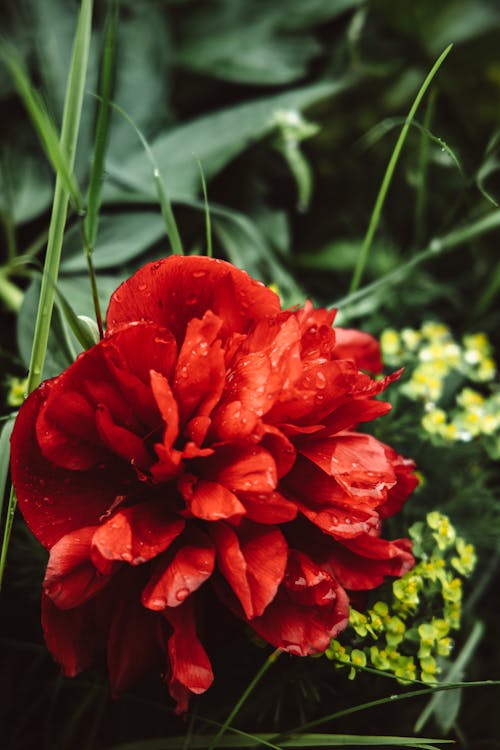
x=292 y=109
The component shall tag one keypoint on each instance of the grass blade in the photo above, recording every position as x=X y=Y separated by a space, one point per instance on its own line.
x=69 y=137
x=389 y=172
x=208 y=221
x=102 y=125
x=165 y=205
x=434 y=249
x=246 y=693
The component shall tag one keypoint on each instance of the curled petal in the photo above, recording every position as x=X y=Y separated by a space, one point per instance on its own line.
x=135 y=534
x=268 y=507
x=56 y=501
x=69 y=635
x=364 y=562
x=177 y=576
x=309 y=609
x=200 y=370
x=210 y=500
x=190 y=668
x=357 y=462
x=71 y=578
x=253 y=562
x=242 y=468
x=359 y=346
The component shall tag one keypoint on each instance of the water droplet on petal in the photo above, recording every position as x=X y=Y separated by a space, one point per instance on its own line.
x=182 y=594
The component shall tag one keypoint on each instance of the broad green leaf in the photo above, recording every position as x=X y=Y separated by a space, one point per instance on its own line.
x=255 y=43
x=121 y=237
x=144 y=57
x=26 y=182
x=214 y=139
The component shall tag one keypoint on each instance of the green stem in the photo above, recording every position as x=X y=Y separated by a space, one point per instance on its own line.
x=10 y=294
x=69 y=137
x=389 y=172
x=246 y=693
x=434 y=249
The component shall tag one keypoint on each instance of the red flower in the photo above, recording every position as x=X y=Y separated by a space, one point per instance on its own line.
x=206 y=451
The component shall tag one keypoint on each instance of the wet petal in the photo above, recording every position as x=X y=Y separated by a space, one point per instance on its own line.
x=136 y=534
x=253 y=562
x=190 y=667
x=71 y=578
x=175 y=578
x=173 y=291
x=364 y=562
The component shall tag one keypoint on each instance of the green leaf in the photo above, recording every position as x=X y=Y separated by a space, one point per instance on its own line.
x=143 y=60
x=214 y=139
x=25 y=181
x=121 y=237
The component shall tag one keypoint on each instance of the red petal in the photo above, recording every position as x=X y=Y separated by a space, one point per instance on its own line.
x=281 y=449
x=253 y=562
x=189 y=663
x=66 y=426
x=353 y=412
x=167 y=406
x=133 y=647
x=175 y=290
x=200 y=370
x=71 y=578
x=356 y=461
x=406 y=483
x=56 y=501
x=268 y=507
x=359 y=346
x=136 y=534
x=121 y=441
x=69 y=635
x=175 y=579
x=364 y=562
x=211 y=501
x=241 y=468
x=324 y=503
x=302 y=628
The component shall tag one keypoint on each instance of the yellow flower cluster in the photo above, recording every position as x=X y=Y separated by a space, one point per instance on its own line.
x=408 y=634
x=437 y=359
x=17 y=391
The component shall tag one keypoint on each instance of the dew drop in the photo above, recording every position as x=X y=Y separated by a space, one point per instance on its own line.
x=142 y=287
x=199 y=274
x=157 y=603
x=182 y=594
x=320 y=380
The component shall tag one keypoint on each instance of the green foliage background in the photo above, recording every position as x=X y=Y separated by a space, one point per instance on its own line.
x=202 y=79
